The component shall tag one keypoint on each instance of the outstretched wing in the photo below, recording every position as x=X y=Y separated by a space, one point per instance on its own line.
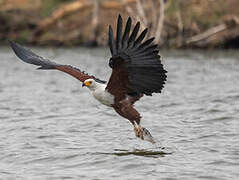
x=29 y=57
x=136 y=66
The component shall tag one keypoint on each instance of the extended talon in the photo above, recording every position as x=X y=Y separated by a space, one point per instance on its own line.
x=143 y=133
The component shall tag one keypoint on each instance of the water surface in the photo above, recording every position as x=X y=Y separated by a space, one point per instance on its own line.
x=51 y=128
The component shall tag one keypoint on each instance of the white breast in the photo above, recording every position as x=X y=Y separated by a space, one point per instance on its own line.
x=103 y=95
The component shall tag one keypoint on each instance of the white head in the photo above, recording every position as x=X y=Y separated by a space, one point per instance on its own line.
x=90 y=83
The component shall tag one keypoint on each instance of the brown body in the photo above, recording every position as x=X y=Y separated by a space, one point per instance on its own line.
x=126 y=109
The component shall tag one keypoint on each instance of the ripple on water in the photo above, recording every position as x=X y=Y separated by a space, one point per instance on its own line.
x=51 y=128
x=219 y=119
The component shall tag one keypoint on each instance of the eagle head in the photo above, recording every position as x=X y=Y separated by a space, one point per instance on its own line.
x=90 y=83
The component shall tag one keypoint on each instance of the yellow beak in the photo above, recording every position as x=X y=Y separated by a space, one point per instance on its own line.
x=87 y=83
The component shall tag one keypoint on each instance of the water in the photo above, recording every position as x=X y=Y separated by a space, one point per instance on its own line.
x=51 y=128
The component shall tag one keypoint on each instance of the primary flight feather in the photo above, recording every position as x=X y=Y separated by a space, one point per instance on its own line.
x=136 y=71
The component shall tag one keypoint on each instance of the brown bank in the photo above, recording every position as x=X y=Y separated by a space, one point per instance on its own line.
x=175 y=24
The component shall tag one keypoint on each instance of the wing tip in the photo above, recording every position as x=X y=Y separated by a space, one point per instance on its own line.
x=19 y=51
x=119 y=17
x=10 y=42
x=119 y=32
x=111 y=41
x=13 y=45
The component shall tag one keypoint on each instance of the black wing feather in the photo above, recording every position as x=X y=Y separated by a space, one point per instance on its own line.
x=119 y=33
x=134 y=34
x=111 y=42
x=126 y=33
x=145 y=72
x=30 y=57
x=146 y=43
x=140 y=38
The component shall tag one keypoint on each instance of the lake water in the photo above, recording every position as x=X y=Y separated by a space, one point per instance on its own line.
x=51 y=128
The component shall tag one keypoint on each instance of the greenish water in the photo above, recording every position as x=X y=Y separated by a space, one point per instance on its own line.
x=51 y=128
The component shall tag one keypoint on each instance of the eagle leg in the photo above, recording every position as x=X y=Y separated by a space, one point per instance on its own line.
x=136 y=131
x=126 y=109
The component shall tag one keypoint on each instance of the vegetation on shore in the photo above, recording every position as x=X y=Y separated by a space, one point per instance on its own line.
x=175 y=23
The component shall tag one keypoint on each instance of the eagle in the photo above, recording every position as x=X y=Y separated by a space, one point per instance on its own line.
x=136 y=71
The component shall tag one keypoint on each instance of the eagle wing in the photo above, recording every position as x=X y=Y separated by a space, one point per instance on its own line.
x=28 y=56
x=136 y=66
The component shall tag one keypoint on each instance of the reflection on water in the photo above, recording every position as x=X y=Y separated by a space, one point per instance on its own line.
x=51 y=128
x=139 y=152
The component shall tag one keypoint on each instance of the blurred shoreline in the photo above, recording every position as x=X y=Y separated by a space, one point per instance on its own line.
x=175 y=24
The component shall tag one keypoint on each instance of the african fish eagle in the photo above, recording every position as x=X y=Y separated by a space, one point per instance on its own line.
x=136 y=71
